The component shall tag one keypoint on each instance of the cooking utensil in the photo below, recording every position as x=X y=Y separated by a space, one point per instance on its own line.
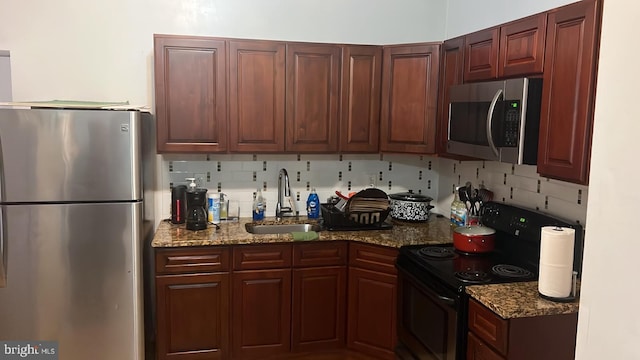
x=474 y=239
x=485 y=195
x=409 y=206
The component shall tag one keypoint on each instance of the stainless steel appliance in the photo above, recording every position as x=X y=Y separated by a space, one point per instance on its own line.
x=76 y=210
x=432 y=316
x=497 y=120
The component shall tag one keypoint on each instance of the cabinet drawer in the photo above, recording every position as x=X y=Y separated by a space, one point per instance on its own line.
x=320 y=254
x=478 y=350
x=373 y=257
x=488 y=326
x=192 y=260
x=260 y=257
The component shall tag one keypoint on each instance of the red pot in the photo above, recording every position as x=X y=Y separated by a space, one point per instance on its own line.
x=474 y=239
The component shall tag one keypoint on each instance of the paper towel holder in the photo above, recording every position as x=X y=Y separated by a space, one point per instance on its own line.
x=568 y=299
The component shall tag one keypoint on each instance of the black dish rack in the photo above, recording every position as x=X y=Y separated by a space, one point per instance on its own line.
x=336 y=220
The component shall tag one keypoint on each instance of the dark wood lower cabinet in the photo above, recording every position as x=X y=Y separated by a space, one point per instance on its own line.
x=276 y=301
x=372 y=300
x=530 y=338
x=261 y=313
x=319 y=308
x=193 y=316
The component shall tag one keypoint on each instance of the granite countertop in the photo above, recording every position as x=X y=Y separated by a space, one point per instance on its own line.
x=518 y=300
x=437 y=230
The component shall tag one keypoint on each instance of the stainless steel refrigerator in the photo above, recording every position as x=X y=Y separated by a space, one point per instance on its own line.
x=76 y=212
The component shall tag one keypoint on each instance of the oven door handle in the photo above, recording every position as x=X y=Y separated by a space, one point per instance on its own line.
x=447 y=300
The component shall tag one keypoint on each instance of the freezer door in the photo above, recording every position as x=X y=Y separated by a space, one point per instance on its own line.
x=57 y=155
x=74 y=276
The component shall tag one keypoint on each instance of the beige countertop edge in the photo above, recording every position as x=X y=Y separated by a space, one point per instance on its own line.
x=519 y=300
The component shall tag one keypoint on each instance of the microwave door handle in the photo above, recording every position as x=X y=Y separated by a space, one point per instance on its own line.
x=492 y=107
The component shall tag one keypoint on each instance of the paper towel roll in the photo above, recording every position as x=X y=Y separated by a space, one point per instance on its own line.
x=556 y=261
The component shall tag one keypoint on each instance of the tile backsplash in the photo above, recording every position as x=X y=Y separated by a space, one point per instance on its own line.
x=239 y=175
x=519 y=185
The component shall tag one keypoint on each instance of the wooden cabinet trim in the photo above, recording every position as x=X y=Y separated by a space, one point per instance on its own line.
x=192 y=316
x=372 y=257
x=256 y=96
x=481 y=55
x=320 y=254
x=488 y=326
x=451 y=73
x=312 y=97
x=319 y=308
x=190 y=118
x=370 y=330
x=478 y=350
x=566 y=126
x=191 y=260
x=409 y=98
x=261 y=313
x=264 y=256
x=522 y=44
x=360 y=106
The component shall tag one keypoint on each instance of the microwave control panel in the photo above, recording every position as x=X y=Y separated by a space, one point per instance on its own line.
x=511 y=124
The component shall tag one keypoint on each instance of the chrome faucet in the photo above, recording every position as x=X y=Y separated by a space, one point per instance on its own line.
x=286 y=205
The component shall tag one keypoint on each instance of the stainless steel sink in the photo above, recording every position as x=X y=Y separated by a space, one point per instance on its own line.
x=280 y=228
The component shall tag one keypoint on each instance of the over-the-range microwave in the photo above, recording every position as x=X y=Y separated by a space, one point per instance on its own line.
x=497 y=120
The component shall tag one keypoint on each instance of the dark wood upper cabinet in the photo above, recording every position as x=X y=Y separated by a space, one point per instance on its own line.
x=509 y=50
x=256 y=96
x=451 y=73
x=312 y=97
x=409 y=98
x=568 y=93
x=191 y=102
x=522 y=46
x=481 y=55
x=360 y=115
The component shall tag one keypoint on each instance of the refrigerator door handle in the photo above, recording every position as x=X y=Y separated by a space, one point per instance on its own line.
x=3 y=250
x=3 y=230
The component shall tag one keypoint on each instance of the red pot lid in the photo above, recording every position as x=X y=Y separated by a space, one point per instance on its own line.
x=474 y=230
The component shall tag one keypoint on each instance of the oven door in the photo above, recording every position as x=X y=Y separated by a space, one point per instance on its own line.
x=430 y=319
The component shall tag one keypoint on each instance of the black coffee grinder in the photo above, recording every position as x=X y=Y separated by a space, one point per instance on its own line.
x=196 y=207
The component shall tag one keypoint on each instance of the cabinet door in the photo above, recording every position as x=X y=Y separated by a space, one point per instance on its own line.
x=481 y=55
x=191 y=103
x=372 y=312
x=256 y=96
x=360 y=120
x=261 y=313
x=568 y=92
x=409 y=96
x=477 y=350
x=522 y=46
x=313 y=85
x=192 y=316
x=451 y=70
x=319 y=308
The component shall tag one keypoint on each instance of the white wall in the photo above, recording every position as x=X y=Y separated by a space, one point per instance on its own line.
x=102 y=50
x=609 y=321
x=465 y=16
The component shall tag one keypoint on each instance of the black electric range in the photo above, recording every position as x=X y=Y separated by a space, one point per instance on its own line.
x=432 y=279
